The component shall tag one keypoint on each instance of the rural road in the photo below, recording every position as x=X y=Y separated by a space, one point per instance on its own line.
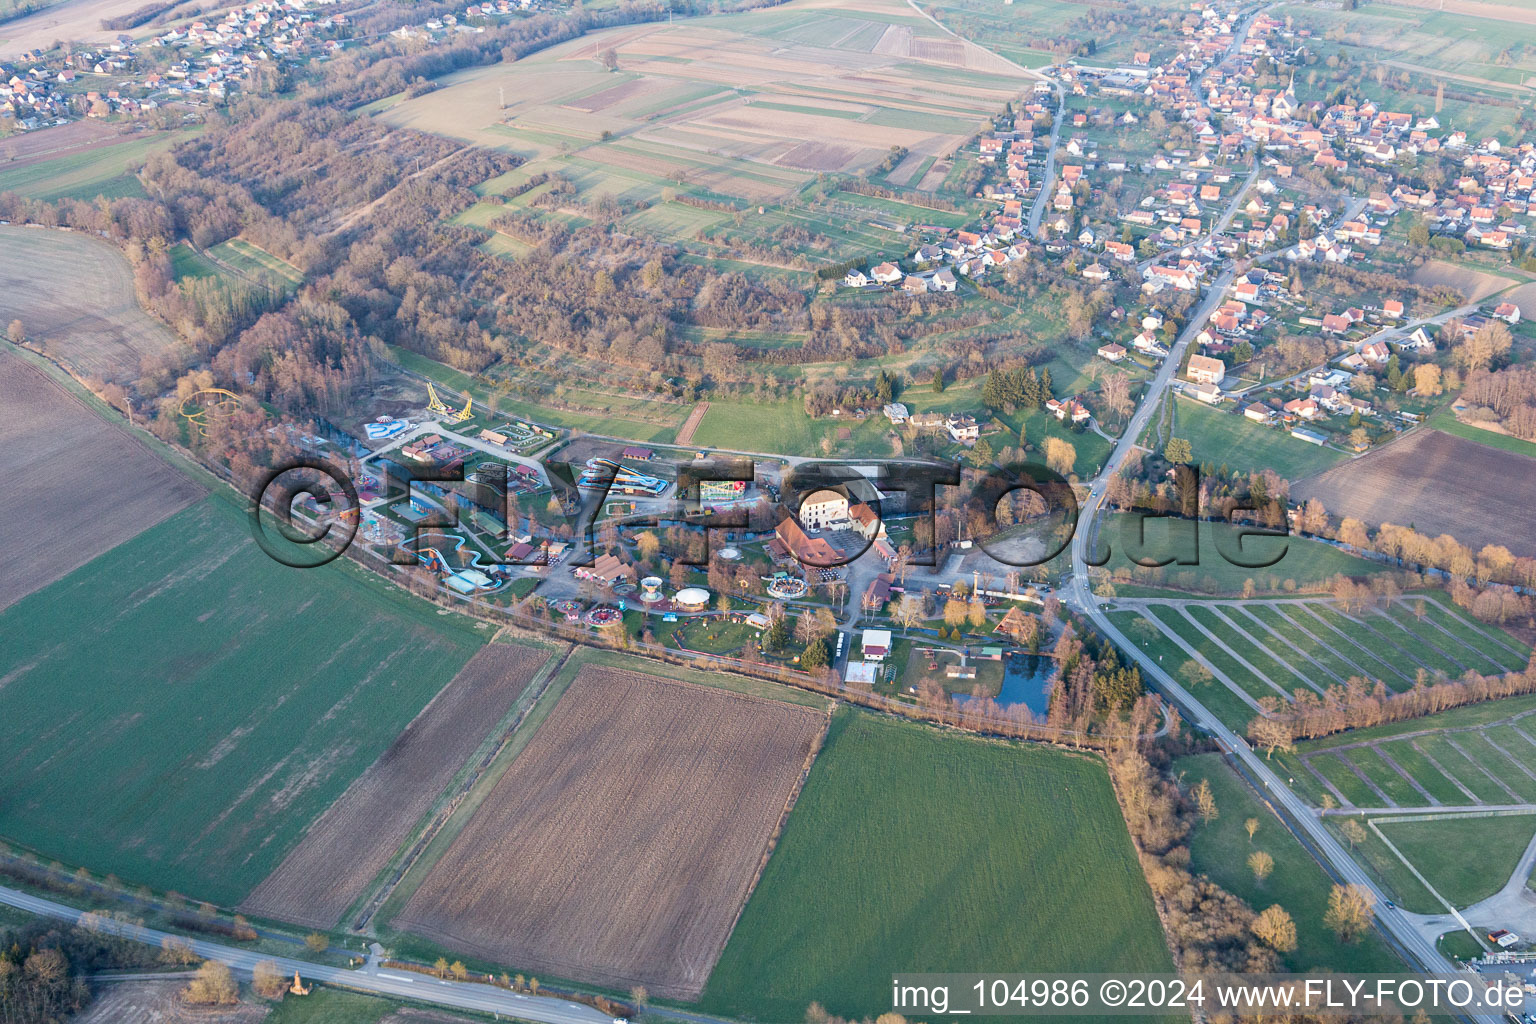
x=1048 y=176
x=1078 y=595
x=399 y=984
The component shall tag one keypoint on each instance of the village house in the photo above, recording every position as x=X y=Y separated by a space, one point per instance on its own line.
x=1205 y=370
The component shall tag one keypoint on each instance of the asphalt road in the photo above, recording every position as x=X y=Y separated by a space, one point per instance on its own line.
x=1078 y=595
x=371 y=978
x=1048 y=177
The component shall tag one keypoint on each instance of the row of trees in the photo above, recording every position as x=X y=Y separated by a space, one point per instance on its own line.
x=1362 y=703
x=1509 y=395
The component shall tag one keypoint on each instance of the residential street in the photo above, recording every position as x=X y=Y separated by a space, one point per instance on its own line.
x=1077 y=594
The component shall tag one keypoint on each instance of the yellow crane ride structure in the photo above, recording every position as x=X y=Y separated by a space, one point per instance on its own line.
x=435 y=404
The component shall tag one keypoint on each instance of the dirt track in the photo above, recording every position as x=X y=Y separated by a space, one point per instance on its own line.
x=75 y=485
x=623 y=841
x=685 y=432
x=354 y=840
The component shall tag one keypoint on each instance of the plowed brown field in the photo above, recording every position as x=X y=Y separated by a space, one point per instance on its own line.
x=622 y=843
x=1438 y=484
x=74 y=295
x=354 y=840
x=75 y=485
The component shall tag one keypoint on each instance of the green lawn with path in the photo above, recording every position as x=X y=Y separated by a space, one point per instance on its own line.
x=1465 y=859
x=1221 y=848
x=1223 y=437
x=1217 y=698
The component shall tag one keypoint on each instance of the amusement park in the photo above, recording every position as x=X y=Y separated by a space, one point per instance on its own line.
x=449 y=495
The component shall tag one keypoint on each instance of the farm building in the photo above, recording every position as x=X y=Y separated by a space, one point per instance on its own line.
x=790 y=541
x=608 y=569
x=1210 y=394
x=865 y=521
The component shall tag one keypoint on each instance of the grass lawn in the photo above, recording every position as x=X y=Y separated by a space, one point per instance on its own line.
x=1504 y=649
x=912 y=849
x=187 y=262
x=1371 y=764
x=784 y=427
x=1220 y=851
x=1220 y=701
x=1254 y=654
x=258 y=263
x=1221 y=547
x=1472 y=714
x=1445 y=421
x=178 y=710
x=611 y=422
x=1174 y=623
x=1459 y=945
x=330 y=1006
x=1222 y=437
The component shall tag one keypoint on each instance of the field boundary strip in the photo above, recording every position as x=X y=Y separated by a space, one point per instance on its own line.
x=442 y=814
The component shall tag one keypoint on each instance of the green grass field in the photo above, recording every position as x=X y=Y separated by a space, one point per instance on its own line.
x=784 y=427
x=178 y=710
x=1446 y=422
x=1220 y=851
x=107 y=170
x=1222 y=437
x=331 y=1006
x=188 y=263
x=1482 y=714
x=1014 y=857
x=1219 y=700
x=258 y=263
x=1439 y=849
x=1221 y=547
x=613 y=422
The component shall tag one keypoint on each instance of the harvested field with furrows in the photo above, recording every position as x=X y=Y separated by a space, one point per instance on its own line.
x=50 y=143
x=76 y=20
x=75 y=294
x=1439 y=484
x=615 y=95
x=820 y=156
x=621 y=844
x=75 y=485
x=1474 y=284
x=1497 y=12
x=354 y=840
x=807 y=87
x=904 y=172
